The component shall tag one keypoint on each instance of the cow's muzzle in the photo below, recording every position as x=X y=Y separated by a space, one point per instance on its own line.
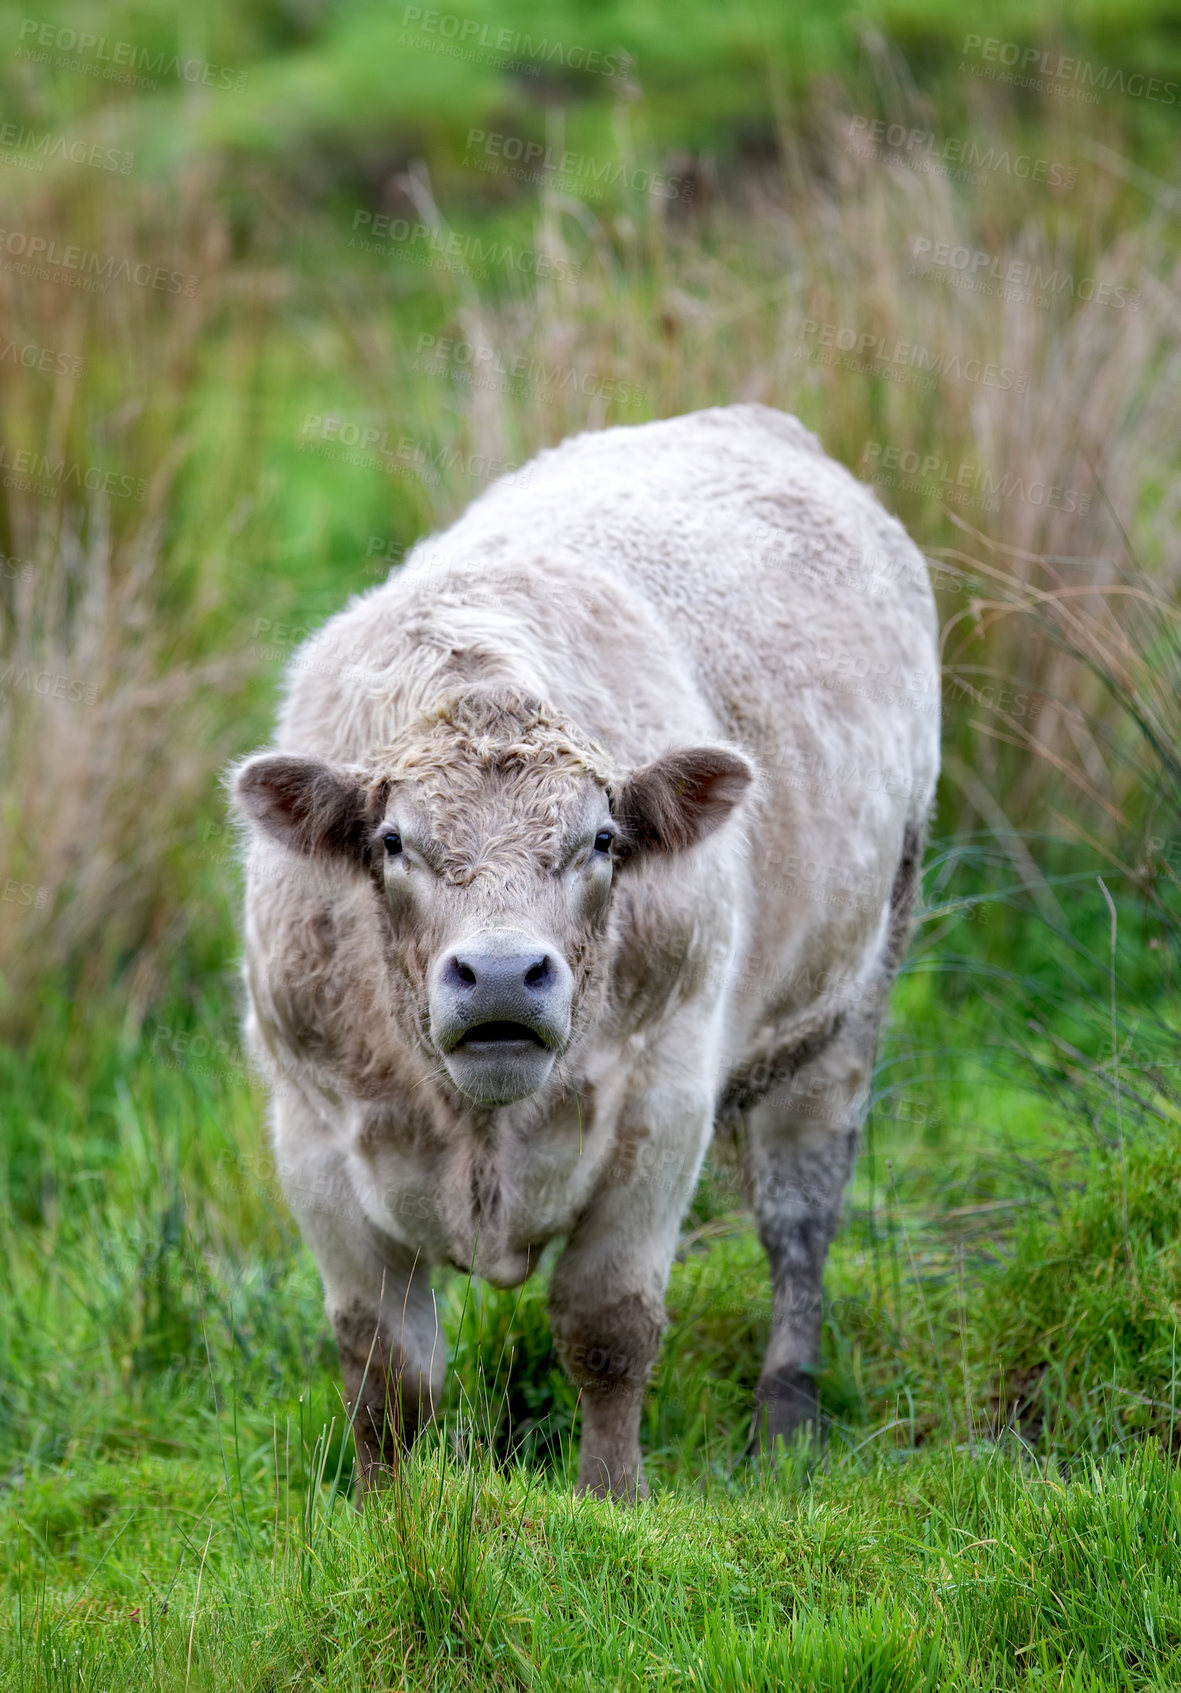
x=500 y=1014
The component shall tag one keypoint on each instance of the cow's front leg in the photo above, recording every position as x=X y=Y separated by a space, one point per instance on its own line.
x=608 y=1347
x=388 y=1341
x=607 y=1293
x=378 y=1296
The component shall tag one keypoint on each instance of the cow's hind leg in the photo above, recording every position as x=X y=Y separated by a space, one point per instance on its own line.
x=801 y=1143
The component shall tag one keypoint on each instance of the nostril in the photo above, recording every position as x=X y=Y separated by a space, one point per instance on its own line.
x=538 y=974
x=462 y=972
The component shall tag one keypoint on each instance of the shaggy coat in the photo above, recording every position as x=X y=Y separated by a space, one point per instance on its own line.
x=661 y=715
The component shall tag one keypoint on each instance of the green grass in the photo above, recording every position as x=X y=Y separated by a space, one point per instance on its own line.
x=951 y=1570
x=981 y=1509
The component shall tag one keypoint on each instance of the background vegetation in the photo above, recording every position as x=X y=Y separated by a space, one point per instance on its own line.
x=993 y=1500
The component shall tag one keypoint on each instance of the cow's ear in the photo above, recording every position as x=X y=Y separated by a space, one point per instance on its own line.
x=304 y=804
x=679 y=799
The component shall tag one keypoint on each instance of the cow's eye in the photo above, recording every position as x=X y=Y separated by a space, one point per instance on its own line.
x=603 y=840
x=393 y=843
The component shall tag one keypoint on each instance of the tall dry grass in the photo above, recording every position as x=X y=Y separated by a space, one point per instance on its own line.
x=111 y=742
x=112 y=724
x=723 y=303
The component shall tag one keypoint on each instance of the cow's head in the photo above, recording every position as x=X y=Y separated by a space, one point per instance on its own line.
x=493 y=833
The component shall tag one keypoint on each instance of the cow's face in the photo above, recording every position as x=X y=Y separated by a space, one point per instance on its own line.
x=494 y=835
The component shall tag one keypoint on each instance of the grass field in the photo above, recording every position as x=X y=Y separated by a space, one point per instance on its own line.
x=239 y=401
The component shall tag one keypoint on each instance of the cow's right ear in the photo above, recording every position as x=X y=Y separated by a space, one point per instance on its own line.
x=304 y=804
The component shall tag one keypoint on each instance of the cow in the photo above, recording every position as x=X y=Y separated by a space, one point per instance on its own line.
x=594 y=829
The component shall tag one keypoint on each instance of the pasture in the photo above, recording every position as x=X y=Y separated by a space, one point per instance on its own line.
x=281 y=288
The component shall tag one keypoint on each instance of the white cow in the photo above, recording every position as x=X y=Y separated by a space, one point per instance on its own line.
x=597 y=824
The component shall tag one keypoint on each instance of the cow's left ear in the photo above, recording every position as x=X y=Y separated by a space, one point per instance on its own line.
x=679 y=799
x=306 y=805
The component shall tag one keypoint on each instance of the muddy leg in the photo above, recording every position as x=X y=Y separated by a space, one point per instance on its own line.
x=801 y=1145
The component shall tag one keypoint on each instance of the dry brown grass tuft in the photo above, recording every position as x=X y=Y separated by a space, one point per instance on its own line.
x=112 y=729
x=110 y=749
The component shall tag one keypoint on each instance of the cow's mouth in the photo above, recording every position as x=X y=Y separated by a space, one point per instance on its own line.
x=500 y=1060
x=499 y=1033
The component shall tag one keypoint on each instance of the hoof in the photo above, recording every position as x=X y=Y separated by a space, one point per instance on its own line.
x=784 y=1403
x=626 y=1489
x=372 y=1479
